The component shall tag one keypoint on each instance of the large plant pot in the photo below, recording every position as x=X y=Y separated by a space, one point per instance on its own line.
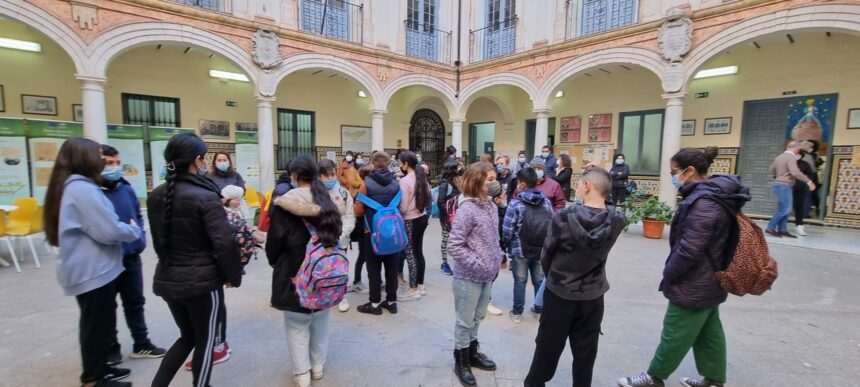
x=652 y=228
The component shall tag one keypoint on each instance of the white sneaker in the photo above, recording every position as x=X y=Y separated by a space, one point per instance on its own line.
x=409 y=295
x=344 y=305
x=422 y=290
x=493 y=310
x=317 y=372
x=801 y=231
x=303 y=380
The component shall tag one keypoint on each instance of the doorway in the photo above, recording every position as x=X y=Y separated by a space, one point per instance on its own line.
x=427 y=134
x=531 y=126
x=482 y=139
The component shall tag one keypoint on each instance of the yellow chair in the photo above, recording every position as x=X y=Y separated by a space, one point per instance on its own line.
x=251 y=197
x=25 y=222
x=4 y=237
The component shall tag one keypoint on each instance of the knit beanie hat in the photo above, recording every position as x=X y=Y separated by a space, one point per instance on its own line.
x=537 y=162
x=232 y=192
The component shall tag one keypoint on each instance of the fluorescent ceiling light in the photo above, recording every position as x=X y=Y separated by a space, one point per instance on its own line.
x=20 y=45
x=362 y=94
x=228 y=75
x=719 y=71
x=559 y=94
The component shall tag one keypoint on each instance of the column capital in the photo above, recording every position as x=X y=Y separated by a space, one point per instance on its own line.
x=265 y=101
x=92 y=82
x=457 y=120
x=675 y=99
x=378 y=112
x=542 y=113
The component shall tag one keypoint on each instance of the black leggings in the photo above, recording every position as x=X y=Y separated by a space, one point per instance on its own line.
x=414 y=251
x=97 y=330
x=221 y=333
x=799 y=202
x=197 y=319
x=364 y=249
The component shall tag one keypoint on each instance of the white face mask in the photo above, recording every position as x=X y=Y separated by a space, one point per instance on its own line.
x=619 y=161
x=348 y=158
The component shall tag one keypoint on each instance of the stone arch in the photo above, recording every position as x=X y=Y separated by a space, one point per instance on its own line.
x=114 y=42
x=446 y=92
x=471 y=91
x=324 y=61
x=830 y=16
x=645 y=58
x=50 y=26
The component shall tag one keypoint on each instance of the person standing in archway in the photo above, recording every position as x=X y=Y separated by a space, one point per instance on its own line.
x=549 y=161
x=619 y=172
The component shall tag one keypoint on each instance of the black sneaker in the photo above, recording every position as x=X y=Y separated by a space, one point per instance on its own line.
x=114 y=373
x=115 y=356
x=369 y=309
x=390 y=307
x=112 y=383
x=147 y=351
x=704 y=382
x=787 y=234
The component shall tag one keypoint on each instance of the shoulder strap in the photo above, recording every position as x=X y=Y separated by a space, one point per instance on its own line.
x=369 y=202
x=730 y=246
x=396 y=200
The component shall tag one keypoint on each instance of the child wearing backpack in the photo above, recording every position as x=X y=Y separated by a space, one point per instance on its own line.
x=574 y=260
x=387 y=235
x=474 y=249
x=343 y=200
x=524 y=229
x=306 y=228
x=698 y=250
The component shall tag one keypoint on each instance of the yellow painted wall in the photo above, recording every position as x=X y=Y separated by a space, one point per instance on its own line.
x=47 y=73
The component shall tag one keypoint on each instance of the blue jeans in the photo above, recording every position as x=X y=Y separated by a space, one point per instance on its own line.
x=470 y=307
x=779 y=221
x=539 y=296
x=521 y=268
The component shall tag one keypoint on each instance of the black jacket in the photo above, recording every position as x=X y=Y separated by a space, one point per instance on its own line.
x=563 y=179
x=285 y=249
x=699 y=232
x=576 y=249
x=442 y=199
x=200 y=254
x=619 y=174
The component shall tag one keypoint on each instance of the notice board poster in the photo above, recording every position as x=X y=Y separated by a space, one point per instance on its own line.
x=356 y=138
x=128 y=141
x=248 y=158
x=46 y=138
x=14 y=176
x=158 y=137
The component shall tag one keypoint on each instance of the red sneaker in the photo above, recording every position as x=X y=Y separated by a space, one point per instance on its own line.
x=220 y=354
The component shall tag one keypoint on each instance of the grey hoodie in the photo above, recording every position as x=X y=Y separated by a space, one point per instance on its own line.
x=91 y=237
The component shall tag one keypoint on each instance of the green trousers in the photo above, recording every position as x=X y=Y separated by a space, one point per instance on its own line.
x=700 y=329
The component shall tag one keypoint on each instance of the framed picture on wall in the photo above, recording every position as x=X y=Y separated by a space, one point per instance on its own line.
x=571 y=127
x=722 y=125
x=77 y=112
x=600 y=127
x=214 y=130
x=688 y=127
x=853 y=115
x=2 y=100
x=38 y=104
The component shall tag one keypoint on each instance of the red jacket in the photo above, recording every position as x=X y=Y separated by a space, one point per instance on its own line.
x=552 y=190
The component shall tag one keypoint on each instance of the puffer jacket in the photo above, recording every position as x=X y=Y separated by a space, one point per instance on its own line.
x=473 y=245
x=288 y=244
x=699 y=232
x=223 y=179
x=200 y=253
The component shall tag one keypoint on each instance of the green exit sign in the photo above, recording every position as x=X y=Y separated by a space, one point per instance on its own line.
x=232 y=103
x=703 y=94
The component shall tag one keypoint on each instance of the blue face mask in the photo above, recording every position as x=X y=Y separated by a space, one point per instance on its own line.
x=112 y=173
x=204 y=170
x=676 y=181
x=577 y=201
x=539 y=174
x=223 y=167
x=329 y=183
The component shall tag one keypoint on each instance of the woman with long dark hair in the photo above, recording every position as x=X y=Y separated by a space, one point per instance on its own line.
x=80 y=220
x=564 y=174
x=307 y=330
x=223 y=173
x=197 y=256
x=416 y=200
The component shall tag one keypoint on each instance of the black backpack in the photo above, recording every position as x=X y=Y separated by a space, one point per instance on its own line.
x=533 y=229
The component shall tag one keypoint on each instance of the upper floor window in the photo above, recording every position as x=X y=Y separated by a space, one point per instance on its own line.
x=603 y=15
x=499 y=36
x=333 y=18
x=212 y=5
x=423 y=39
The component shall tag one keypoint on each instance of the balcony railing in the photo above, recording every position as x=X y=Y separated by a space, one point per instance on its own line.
x=425 y=42
x=222 y=6
x=493 y=41
x=588 y=17
x=333 y=18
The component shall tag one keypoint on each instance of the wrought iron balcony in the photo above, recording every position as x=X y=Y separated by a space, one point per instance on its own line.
x=589 y=17
x=493 y=41
x=222 y=6
x=335 y=19
x=426 y=42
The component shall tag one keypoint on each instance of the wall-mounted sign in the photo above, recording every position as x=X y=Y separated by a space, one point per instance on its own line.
x=128 y=140
x=46 y=138
x=790 y=92
x=14 y=178
x=232 y=104
x=703 y=94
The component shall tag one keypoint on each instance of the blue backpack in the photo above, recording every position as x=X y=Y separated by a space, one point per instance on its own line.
x=388 y=234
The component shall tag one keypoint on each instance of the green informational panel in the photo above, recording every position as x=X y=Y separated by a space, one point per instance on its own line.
x=14 y=177
x=46 y=138
x=128 y=140
x=158 y=137
x=248 y=158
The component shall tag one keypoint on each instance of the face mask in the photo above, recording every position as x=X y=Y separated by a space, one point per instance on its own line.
x=348 y=158
x=359 y=161
x=619 y=161
x=501 y=168
x=202 y=171
x=419 y=158
x=545 y=154
x=494 y=188
x=112 y=173
x=329 y=183
x=577 y=201
x=293 y=185
x=676 y=181
x=223 y=166
x=539 y=174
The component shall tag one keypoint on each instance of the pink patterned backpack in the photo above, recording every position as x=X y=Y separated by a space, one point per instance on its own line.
x=322 y=279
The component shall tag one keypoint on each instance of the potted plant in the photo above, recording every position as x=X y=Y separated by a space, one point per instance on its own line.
x=653 y=213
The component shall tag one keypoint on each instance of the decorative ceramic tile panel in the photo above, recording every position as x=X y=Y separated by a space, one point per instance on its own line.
x=846 y=189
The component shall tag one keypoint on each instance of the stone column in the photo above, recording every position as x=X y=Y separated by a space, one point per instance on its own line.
x=457 y=135
x=377 y=131
x=541 y=129
x=671 y=144
x=266 y=140
x=95 y=115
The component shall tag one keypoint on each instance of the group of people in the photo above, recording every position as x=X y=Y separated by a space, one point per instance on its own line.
x=795 y=186
x=492 y=216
